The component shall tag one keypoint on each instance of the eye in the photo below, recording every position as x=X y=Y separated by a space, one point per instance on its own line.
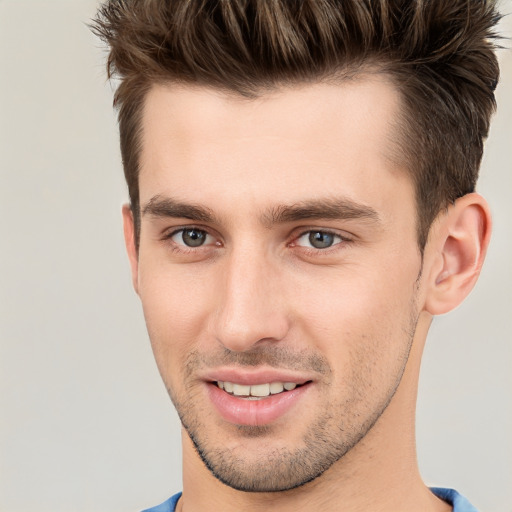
x=319 y=239
x=191 y=237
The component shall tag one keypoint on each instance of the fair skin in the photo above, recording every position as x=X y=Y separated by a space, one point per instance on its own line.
x=278 y=245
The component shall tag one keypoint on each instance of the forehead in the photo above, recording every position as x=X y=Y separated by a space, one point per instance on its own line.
x=200 y=114
x=205 y=146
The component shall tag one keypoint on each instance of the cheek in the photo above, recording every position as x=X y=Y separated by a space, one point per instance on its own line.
x=176 y=305
x=361 y=311
x=365 y=330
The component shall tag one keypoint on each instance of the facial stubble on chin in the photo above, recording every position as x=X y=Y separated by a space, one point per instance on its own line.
x=331 y=435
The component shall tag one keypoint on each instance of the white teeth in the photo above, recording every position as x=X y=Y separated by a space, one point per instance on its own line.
x=260 y=390
x=276 y=387
x=241 y=390
x=256 y=390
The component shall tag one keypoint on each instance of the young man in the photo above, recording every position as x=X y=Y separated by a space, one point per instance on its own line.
x=301 y=179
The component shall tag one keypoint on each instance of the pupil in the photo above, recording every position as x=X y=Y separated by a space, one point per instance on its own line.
x=321 y=240
x=193 y=237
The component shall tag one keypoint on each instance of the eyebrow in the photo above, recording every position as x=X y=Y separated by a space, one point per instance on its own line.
x=322 y=209
x=159 y=206
x=317 y=209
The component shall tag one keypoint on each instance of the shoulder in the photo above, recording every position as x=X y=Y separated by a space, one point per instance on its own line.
x=167 y=506
x=456 y=500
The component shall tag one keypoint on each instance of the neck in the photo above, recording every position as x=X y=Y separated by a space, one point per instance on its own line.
x=380 y=473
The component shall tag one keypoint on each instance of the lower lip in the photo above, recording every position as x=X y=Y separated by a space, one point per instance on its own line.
x=242 y=411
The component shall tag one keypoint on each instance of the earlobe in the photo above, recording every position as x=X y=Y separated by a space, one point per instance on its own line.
x=458 y=247
x=131 y=247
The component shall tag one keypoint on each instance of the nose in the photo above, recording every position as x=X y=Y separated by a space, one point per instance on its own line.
x=251 y=309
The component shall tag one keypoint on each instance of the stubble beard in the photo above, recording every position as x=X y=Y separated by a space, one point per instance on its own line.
x=280 y=469
x=341 y=426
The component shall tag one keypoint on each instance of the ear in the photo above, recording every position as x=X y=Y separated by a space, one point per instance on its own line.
x=458 y=244
x=131 y=248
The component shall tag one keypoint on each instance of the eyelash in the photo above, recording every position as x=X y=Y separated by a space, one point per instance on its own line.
x=184 y=249
x=327 y=250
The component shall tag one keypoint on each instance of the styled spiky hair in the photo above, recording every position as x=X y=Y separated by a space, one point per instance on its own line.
x=440 y=54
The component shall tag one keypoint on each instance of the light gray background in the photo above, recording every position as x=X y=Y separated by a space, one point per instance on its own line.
x=85 y=423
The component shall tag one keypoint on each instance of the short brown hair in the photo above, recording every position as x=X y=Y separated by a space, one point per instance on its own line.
x=439 y=53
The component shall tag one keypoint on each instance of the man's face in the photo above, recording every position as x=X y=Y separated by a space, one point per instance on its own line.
x=278 y=271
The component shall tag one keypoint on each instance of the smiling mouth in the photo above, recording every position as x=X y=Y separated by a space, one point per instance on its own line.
x=257 y=391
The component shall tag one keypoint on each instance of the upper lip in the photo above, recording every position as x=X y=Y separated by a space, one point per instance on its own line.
x=252 y=376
